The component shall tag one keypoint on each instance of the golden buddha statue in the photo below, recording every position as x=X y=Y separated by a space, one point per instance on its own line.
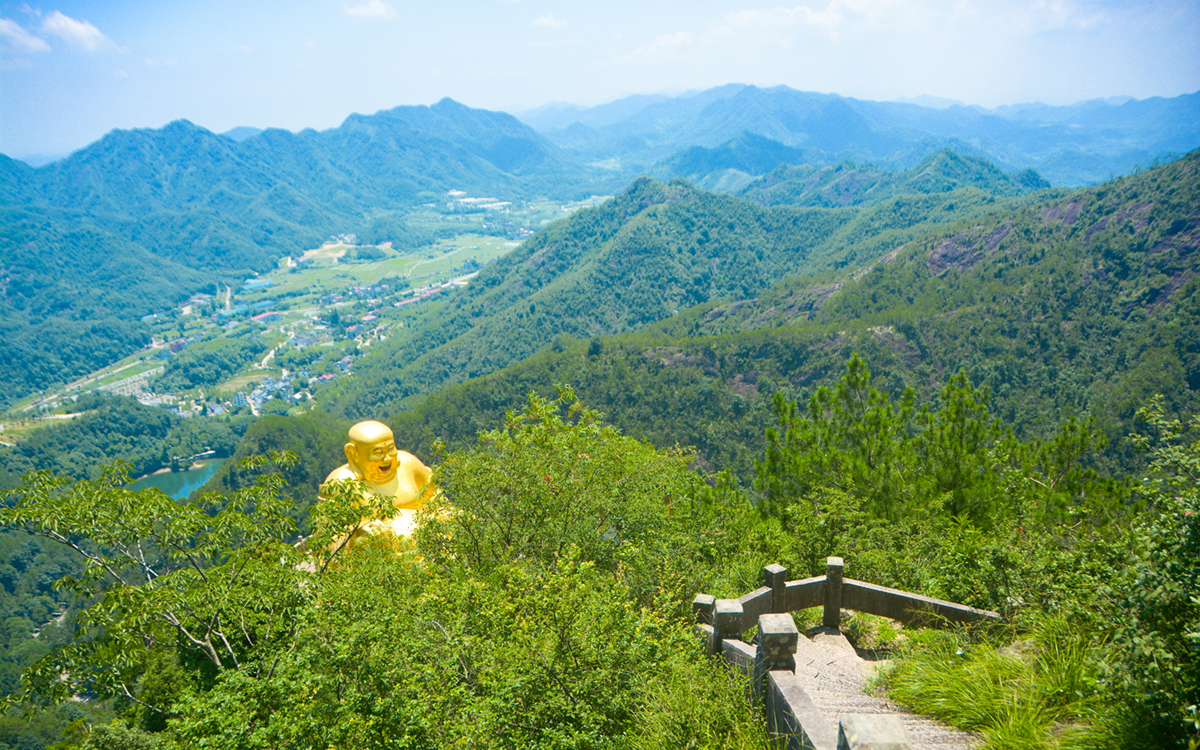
x=372 y=456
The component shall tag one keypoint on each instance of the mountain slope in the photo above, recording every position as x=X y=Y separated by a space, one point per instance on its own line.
x=639 y=258
x=70 y=294
x=1086 y=304
x=848 y=184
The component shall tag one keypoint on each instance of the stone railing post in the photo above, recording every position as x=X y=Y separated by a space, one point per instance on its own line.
x=777 y=641
x=775 y=578
x=727 y=623
x=834 y=569
x=702 y=609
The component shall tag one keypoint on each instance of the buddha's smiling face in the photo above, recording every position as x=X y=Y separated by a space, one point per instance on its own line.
x=373 y=454
x=380 y=462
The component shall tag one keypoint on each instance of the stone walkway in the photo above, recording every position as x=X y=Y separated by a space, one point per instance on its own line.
x=835 y=677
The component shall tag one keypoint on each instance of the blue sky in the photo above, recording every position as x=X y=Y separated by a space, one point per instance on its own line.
x=72 y=71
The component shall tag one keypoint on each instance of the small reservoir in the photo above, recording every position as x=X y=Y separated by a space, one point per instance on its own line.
x=179 y=484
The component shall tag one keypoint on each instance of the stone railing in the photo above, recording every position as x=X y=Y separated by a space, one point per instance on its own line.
x=791 y=716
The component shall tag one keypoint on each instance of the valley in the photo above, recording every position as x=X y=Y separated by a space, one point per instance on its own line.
x=371 y=287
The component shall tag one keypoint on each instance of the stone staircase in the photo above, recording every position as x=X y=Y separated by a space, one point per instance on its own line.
x=835 y=677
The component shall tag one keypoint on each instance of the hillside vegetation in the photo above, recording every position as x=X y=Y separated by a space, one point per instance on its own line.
x=973 y=391
x=852 y=185
x=544 y=602
x=1079 y=305
x=180 y=209
x=646 y=255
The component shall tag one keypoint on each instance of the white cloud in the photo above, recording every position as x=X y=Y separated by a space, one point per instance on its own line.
x=80 y=36
x=836 y=18
x=371 y=9
x=549 y=20
x=21 y=39
x=1049 y=15
x=154 y=62
x=120 y=74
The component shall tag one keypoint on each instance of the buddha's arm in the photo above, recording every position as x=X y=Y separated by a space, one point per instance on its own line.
x=423 y=476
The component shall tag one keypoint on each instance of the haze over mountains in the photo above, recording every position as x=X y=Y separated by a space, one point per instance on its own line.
x=1074 y=145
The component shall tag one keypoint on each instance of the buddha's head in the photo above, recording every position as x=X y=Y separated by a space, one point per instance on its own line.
x=371 y=452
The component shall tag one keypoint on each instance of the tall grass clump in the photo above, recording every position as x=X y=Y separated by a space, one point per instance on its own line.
x=1039 y=691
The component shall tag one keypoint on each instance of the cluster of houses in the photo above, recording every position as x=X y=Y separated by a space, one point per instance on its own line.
x=459 y=201
x=510 y=230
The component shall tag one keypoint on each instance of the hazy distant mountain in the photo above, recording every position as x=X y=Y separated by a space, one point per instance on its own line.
x=934 y=102
x=241 y=132
x=1079 y=144
x=734 y=167
x=734 y=164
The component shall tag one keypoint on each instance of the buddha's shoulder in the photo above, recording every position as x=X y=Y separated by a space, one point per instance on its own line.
x=414 y=465
x=408 y=459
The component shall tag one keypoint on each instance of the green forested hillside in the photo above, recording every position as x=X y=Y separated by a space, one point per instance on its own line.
x=646 y=255
x=1083 y=305
x=102 y=427
x=848 y=184
x=959 y=391
x=545 y=600
x=72 y=295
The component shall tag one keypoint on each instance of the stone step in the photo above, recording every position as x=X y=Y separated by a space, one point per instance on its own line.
x=835 y=678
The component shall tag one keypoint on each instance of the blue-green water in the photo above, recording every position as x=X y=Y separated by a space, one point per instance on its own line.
x=179 y=484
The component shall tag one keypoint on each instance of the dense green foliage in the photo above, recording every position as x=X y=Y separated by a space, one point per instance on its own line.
x=1112 y=661
x=545 y=599
x=948 y=462
x=520 y=623
x=1158 y=670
